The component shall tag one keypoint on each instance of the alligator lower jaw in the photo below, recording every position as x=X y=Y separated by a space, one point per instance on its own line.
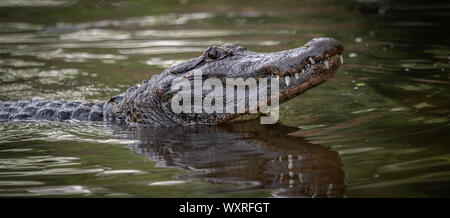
x=320 y=71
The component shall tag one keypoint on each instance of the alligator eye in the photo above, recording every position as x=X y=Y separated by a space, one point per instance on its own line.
x=213 y=53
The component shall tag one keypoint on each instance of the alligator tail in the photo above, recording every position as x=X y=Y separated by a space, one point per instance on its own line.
x=50 y=110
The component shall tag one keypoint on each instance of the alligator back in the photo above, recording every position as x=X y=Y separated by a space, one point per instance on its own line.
x=50 y=110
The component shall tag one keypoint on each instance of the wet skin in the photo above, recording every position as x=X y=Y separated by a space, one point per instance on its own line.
x=297 y=70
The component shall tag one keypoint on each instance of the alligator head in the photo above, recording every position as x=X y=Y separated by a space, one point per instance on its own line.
x=296 y=70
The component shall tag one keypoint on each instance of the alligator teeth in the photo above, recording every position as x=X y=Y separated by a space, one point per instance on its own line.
x=341 y=59
x=278 y=77
x=288 y=80
x=312 y=61
x=296 y=75
x=303 y=70
x=327 y=65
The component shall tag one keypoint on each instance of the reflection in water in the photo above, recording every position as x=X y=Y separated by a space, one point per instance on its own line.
x=253 y=155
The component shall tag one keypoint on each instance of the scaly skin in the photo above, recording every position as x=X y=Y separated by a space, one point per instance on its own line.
x=299 y=70
x=50 y=110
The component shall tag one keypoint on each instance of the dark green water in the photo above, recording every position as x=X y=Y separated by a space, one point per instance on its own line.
x=379 y=128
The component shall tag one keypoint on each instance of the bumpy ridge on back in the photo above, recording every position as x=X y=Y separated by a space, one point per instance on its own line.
x=50 y=110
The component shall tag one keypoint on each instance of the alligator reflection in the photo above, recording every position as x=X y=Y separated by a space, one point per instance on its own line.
x=264 y=156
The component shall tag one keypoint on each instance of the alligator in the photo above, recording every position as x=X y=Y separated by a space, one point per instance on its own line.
x=297 y=71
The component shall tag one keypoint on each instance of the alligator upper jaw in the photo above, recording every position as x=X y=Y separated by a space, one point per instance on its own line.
x=303 y=68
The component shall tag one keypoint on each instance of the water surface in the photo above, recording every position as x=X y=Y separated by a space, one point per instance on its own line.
x=379 y=128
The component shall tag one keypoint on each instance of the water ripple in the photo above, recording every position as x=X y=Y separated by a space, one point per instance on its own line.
x=94 y=35
x=49 y=172
x=166 y=183
x=429 y=162
x=424 y=178
x=46 y=190
x=36 y=3
x=19 y=27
